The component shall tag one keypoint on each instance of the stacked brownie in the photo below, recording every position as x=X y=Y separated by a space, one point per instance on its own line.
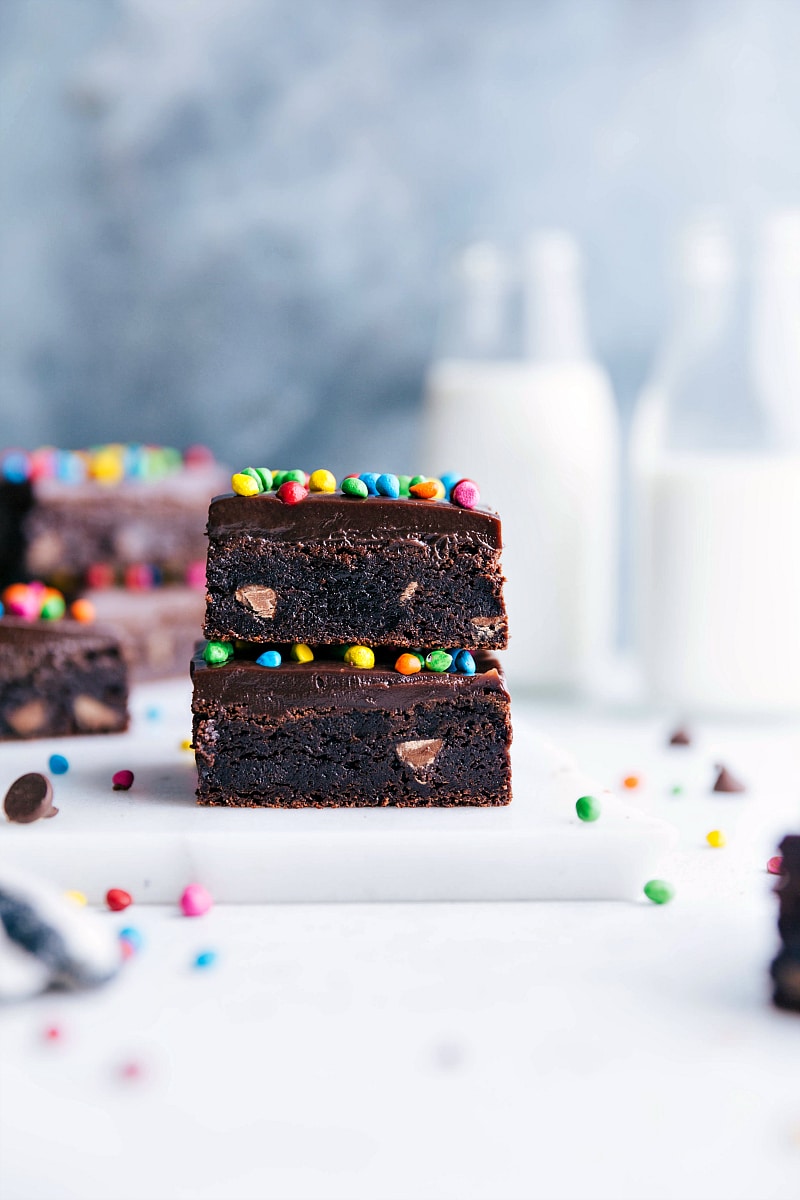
x=351 y=635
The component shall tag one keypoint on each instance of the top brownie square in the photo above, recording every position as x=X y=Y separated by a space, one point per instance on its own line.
x=333 y=569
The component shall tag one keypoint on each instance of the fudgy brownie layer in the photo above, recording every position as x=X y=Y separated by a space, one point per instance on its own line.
x=332 y=569
x=324 y=734
x=60 y=678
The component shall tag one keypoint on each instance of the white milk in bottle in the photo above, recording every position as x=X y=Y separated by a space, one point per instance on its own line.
x=717 y=502
x=538 y=432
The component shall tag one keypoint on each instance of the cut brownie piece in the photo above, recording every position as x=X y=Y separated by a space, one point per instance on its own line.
x=59 y=678
x=786 y=967
x=325 y=734
x=333 y=569
x=72 y=527
x=158 y=628
x=63 y=512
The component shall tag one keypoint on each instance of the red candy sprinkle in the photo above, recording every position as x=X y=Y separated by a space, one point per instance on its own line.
x=117 y=899
x=775 y=864
x=122 y=780
x=465 y=494
x=52 y=1033
x=131 y=1070
x=292 y=492
x=99 y=575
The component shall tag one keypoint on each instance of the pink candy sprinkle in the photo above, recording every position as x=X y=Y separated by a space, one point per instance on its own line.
x=465 y=494
x=122 y=780
x=775 y=865
x=196 y=575
x=195 y=901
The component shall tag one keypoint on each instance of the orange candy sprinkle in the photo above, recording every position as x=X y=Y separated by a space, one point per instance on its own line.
x=631 y=782
x=82 y=610
x=408 y=664
x=429 y=490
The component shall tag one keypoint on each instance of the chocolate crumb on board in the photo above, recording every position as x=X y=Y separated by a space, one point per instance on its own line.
x=726 y=782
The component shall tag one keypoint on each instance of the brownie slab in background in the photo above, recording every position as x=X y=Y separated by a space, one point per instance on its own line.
x=64 y=512
x=157 y=629
x=334 y=569
x=326 y=734
x=59 y=678
x=786 y=967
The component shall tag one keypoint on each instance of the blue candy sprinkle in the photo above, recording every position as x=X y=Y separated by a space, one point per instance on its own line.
x=58 y=764
x=270 y=658
x=206 y=958
x=464 y=662
x=450 y=480
x=132 y=936
x=370 y=479
x=2 y=609
x=16 y=467
x=388 y=485
x=153 y=714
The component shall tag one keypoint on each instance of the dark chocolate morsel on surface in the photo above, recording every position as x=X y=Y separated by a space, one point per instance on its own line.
x=681 y=737
x=726 y=782
x=29 y=799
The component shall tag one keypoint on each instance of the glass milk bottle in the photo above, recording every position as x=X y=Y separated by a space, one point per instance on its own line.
x=717 y=505
x=520 y=406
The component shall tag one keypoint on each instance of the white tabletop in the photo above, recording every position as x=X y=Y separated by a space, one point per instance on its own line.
x=564 y=1051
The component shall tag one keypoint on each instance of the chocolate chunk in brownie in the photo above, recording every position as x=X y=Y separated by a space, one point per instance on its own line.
x=59 y=678
x=333 y=569
x=326 y=734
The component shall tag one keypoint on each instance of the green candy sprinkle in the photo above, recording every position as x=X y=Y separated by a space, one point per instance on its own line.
x=53 y=609
x=588 y=808
x=294 y=477
x=265 y=477
x=255 y=474
x=217 y=653
x=677 y=790
x=659 y=891
x=415 y=479
x=439 y=660
x=405 y=484
x=355 y=487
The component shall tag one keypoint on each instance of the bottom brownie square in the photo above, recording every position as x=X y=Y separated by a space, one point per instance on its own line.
x=59 y=678
x=327 y=734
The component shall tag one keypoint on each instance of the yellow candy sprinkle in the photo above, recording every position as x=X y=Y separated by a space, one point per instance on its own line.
x=322 y=481
x=186 y=744
x=300 y=652
x=244 y=485
x=107 y=466
x=359 y=656
x=716 y=839
x=76 y=898
x=441 y=490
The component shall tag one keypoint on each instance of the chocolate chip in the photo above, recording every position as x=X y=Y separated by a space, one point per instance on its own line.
x=29 y=799
x=419 y=754
x=95 y=716
x=726 y=782
x=681 y=737
x=261 y=600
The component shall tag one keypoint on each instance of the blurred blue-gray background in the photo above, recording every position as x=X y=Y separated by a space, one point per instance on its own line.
x=229 y=220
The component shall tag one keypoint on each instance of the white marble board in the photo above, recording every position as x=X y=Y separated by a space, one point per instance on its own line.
x=153 y=840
